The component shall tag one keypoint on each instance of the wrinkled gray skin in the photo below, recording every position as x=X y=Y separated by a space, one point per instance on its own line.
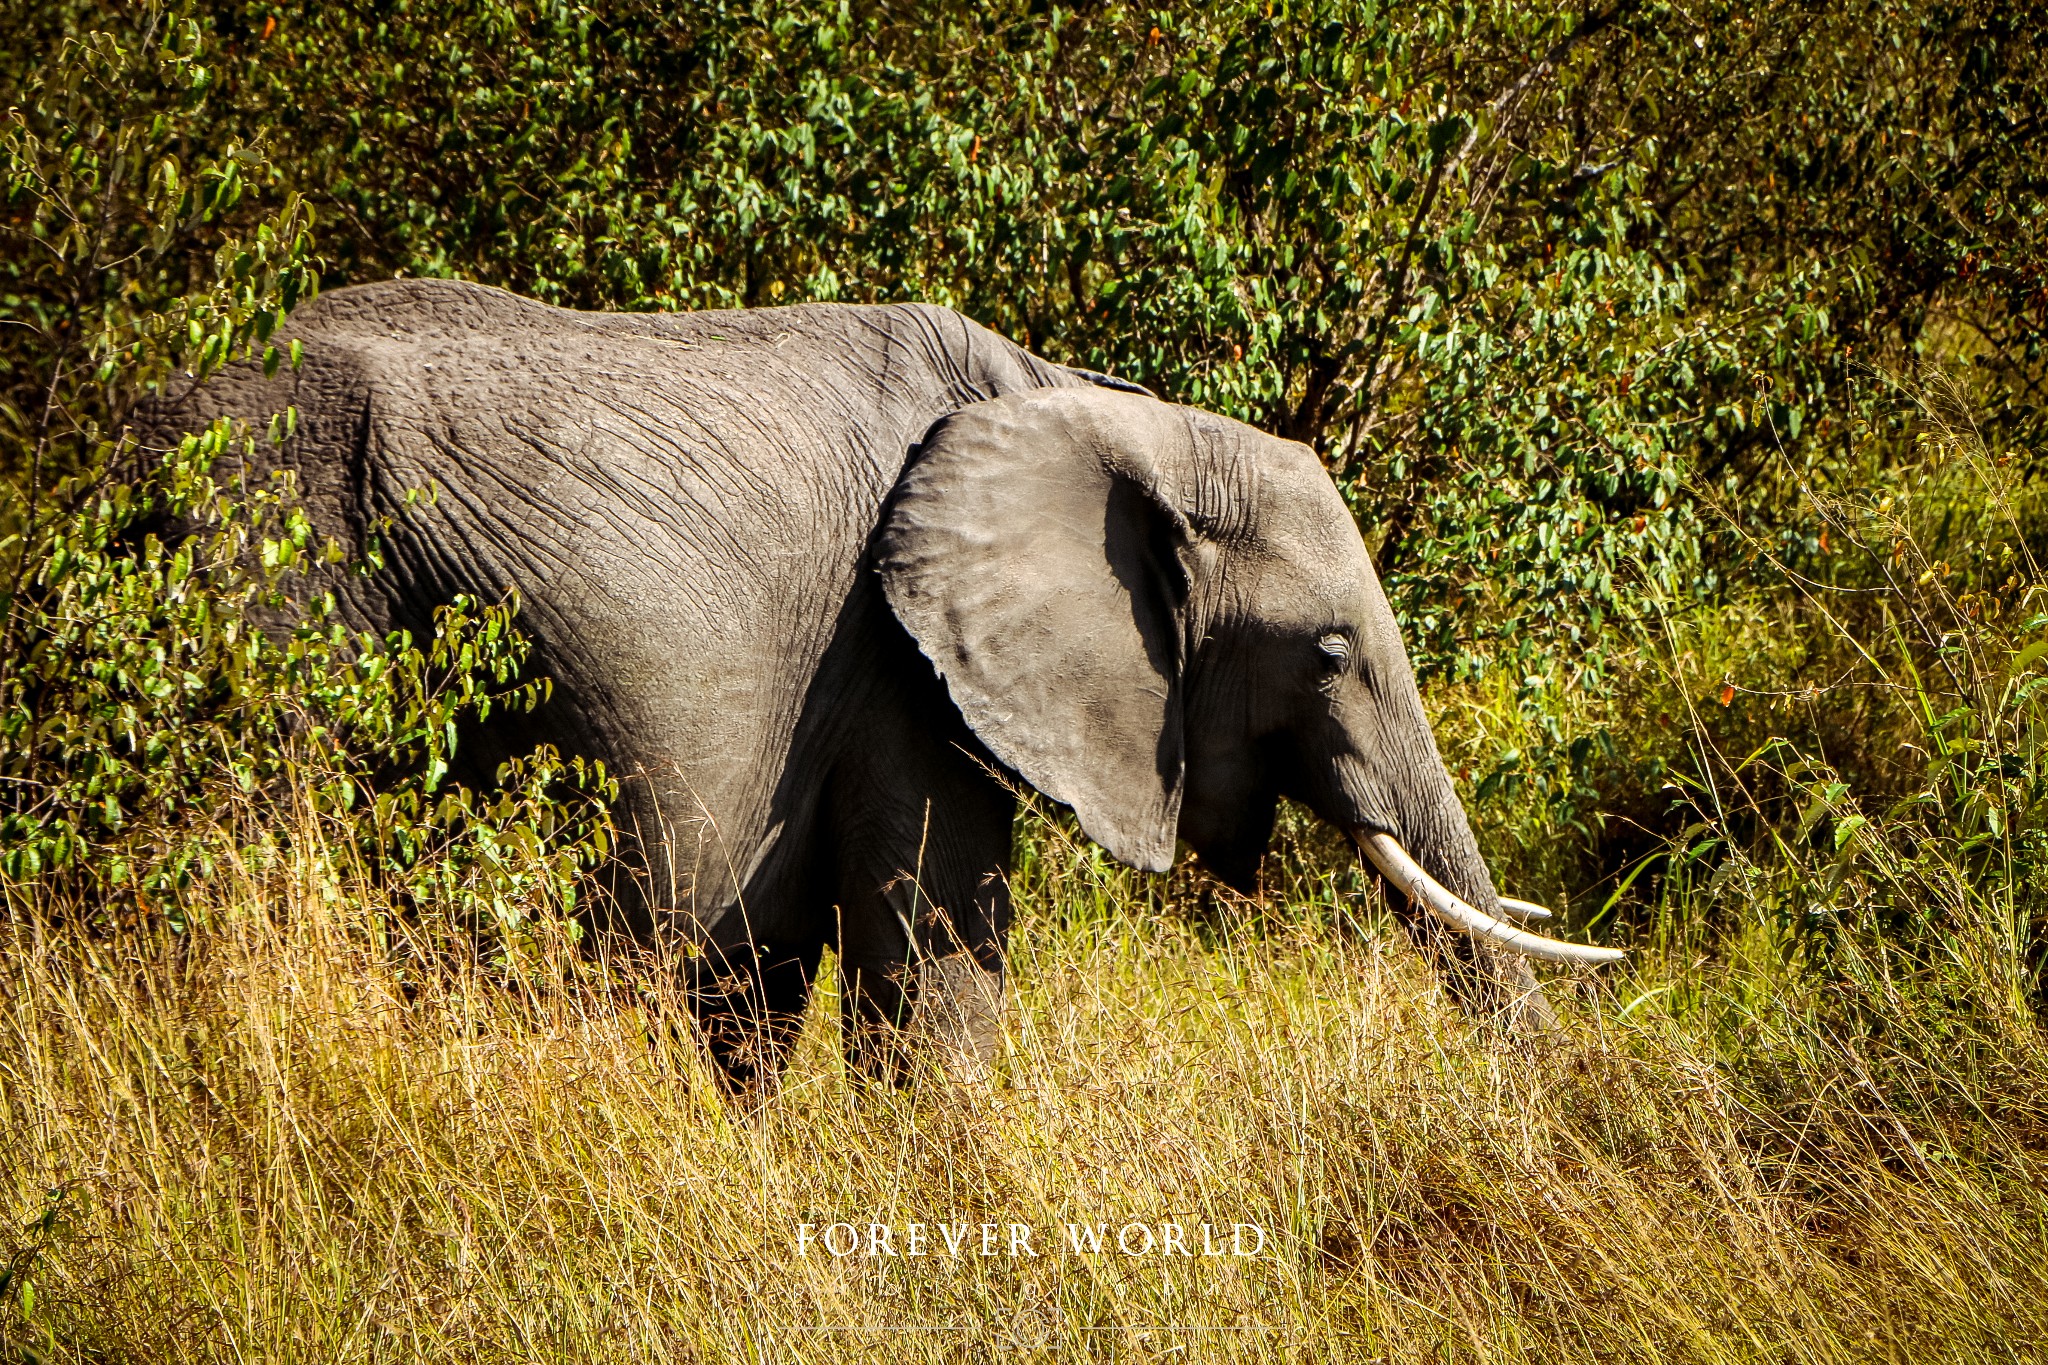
x=815 y=581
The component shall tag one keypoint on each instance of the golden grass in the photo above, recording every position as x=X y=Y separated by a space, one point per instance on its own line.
x=273 y=1139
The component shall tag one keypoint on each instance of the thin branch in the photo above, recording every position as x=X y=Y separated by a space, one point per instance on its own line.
x=1501 y=110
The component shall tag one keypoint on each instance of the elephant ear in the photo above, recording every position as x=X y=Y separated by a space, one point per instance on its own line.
x=1034 y=550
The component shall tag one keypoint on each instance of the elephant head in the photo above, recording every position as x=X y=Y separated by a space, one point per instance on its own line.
x=1167 y=620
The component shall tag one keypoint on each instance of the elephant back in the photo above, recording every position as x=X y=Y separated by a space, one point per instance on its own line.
x=682 y=502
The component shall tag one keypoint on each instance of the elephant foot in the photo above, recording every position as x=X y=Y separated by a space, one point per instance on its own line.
x=749 y=1005
x=944 y=1013
x=958 y=1018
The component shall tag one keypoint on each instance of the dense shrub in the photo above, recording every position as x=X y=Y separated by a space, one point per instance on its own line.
x=1532 y=281
x=169 y=707
x=1595 y=314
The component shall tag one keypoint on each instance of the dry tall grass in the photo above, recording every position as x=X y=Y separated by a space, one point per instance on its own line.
x=1808 y=1121
x=277 y=1138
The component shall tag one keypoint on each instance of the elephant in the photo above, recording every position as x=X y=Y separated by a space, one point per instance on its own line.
x=822 y=584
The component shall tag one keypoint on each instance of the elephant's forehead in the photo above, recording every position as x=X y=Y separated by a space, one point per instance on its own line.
x=1301 y=519
x=1316 y=589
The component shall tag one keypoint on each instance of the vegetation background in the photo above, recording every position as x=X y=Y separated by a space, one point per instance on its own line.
x=1684 y=366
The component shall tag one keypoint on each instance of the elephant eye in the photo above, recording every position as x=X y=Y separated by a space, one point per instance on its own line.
x=1336 y=650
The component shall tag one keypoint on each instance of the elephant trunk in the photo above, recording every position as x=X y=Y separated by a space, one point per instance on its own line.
x=1416 y=836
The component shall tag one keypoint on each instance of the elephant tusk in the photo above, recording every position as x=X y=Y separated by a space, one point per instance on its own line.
x=1524 y=911
x=1386 y=854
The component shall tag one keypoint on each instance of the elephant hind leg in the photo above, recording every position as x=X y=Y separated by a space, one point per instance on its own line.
x=749 y=1003
x=876 y=997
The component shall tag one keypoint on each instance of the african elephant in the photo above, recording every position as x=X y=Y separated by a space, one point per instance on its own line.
x=816 y=581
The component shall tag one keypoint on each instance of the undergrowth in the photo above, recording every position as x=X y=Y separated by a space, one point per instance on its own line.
x=302 y=1057
x=283 y=1140
x=1807 y=1120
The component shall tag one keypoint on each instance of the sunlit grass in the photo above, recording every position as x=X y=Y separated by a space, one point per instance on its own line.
x=276 y=1138
x=1807 y=1120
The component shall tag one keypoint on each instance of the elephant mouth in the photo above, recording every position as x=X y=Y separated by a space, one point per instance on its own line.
x=1384 y=852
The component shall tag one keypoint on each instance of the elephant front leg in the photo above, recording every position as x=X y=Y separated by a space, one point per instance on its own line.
x=922 y=946
x=946 y=1009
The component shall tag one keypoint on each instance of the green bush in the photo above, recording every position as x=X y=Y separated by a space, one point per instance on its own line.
x=152 y=728
x=170 y=706
x=1590 y=312
x=1532 y=281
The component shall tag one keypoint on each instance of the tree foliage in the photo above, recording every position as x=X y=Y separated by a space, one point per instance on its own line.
x=1519 y=275
x=166 y=705
x=1581 y=307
